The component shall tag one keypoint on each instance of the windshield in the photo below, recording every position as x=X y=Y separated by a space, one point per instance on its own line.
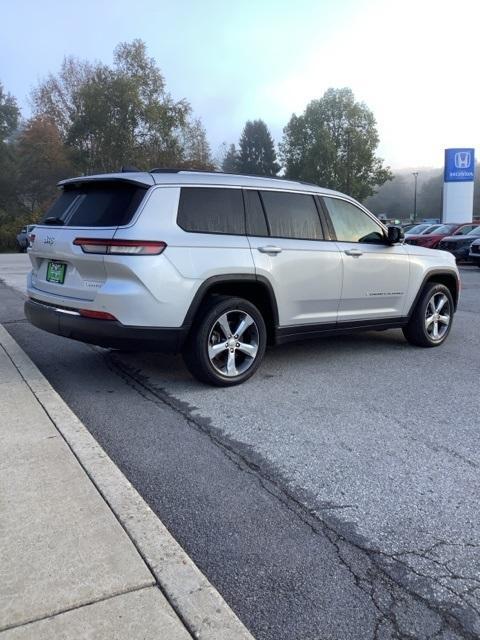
x=463 y=231
x=418 y=228
x=430 y=229
x=446 y=229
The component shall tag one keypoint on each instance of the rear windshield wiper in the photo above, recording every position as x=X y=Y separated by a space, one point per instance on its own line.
x=57 y=221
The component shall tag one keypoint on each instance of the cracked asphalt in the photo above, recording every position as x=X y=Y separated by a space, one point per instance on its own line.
x=333 y=496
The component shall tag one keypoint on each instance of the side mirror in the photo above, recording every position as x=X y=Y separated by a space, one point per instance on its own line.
x=395 y=234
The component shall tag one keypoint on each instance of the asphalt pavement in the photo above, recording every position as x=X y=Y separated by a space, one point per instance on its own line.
x=335 y=495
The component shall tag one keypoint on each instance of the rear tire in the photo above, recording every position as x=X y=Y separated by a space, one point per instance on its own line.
x=432 y=317
x=227 y=342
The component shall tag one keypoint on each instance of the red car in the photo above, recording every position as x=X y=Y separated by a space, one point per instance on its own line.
x=432 y=239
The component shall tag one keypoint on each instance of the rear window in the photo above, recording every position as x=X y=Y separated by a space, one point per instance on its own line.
x=106 y=204
x=211 y=210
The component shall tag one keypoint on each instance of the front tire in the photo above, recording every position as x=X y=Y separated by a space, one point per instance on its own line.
x=227 y=342
x=432 y=317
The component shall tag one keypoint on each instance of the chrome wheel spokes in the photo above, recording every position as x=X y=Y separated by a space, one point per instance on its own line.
x=437 y=316
x=233 y=343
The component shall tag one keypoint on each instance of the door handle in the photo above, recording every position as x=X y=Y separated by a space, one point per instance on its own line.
x=356 y=253
x=270 y=249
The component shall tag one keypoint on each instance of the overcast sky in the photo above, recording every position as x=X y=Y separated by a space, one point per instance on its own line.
x=415 y=63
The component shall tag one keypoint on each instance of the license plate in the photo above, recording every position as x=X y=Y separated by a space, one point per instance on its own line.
x=56 y=272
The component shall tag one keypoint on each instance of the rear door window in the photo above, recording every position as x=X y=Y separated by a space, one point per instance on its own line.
x=256 y=222
x=105 y=204
x=211 y=210
x=292 y=215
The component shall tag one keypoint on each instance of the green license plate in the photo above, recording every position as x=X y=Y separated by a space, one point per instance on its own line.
x=56 y=272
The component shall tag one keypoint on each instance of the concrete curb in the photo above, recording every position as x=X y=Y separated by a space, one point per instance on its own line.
x=198 y=604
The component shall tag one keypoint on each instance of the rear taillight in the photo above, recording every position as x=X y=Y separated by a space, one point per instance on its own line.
x=120 y=247
x=98 y=315
x=30 y=239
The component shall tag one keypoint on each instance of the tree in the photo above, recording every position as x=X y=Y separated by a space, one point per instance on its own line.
x=333 y=143
x=9 y=119
x=196 y=150
x=9 y=114
x=256 y=150
x=43 y=160
x=230 y=160
x=111 y=116
x=57 y=96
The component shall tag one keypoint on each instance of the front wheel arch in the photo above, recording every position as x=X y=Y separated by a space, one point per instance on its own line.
x=448 y=278
x=418 y=330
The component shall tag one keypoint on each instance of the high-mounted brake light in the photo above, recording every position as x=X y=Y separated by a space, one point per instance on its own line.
x=120 y=247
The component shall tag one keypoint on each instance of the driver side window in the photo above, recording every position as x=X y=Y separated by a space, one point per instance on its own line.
x=351 y=224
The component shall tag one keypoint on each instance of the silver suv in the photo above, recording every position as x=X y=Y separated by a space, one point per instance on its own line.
x=217 y=266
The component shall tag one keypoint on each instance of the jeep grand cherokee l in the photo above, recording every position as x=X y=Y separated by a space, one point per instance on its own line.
x=217 y=266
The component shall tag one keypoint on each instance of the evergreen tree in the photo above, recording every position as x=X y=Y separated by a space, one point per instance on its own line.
x=257 y=152
x=230 y=160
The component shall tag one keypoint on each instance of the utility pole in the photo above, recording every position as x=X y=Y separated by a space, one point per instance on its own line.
x=415 y=175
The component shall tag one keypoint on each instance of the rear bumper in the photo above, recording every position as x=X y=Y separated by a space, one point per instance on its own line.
x=104 y=333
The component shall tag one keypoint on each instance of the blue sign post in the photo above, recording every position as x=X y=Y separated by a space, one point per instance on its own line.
x=458 y=185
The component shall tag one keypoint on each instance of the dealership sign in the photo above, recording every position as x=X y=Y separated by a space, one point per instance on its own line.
x=458 y=185
x=459 y=165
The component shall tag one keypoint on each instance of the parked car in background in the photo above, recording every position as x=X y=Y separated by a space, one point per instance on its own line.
x=459 y=245
x=474 y=255
x=22 y=237
x=431 y=238
x=411 y=237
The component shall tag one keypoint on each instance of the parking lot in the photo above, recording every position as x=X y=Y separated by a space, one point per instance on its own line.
x=333 y=495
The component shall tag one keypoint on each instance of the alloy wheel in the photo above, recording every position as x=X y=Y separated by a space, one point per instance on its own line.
x=233 y=343
x=437 y=317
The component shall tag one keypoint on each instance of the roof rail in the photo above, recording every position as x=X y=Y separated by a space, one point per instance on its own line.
x=228 y=173
x=181 y=170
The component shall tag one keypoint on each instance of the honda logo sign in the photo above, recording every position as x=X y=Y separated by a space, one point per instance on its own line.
x=463 y=159
x=459 y=165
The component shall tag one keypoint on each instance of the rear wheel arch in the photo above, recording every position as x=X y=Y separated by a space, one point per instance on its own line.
x=213 y=354
x=256 y=289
